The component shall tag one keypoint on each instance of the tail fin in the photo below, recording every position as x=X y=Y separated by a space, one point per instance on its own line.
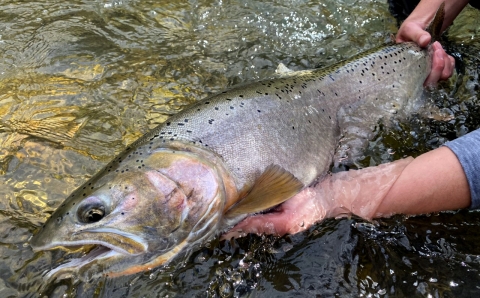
x=435 y=27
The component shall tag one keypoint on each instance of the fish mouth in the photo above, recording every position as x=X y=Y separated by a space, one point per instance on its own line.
x=107 y=243
x=97 y=253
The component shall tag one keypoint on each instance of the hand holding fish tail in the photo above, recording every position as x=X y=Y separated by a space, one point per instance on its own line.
x=442 y=63
x=413 y=29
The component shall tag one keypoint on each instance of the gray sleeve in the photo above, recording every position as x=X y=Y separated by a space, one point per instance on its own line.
x=467 y=150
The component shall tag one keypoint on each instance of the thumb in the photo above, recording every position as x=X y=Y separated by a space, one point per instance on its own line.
x=411 y=31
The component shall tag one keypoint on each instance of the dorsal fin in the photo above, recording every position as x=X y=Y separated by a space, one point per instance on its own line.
x=282 y=69
x=435 y=26
x=274 y=186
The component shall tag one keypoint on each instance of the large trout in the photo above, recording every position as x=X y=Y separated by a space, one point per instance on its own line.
x=235 y=153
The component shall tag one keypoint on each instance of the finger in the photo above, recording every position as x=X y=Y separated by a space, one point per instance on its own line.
x=449 y=68
x=270 y=223
x=438 y=64
x=413 y=32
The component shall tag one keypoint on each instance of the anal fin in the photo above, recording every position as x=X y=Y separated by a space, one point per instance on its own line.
x=274 y=186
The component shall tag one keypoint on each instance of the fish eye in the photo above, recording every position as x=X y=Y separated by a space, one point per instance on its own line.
x=91 y=212
x=93 y=215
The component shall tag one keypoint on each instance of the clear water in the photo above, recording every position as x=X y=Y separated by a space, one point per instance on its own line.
x=79 y=80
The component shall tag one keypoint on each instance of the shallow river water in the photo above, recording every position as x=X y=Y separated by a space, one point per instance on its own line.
x=80 y=80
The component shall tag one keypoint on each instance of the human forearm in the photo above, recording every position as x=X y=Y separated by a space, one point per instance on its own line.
x=426 y=9
x=434 y=181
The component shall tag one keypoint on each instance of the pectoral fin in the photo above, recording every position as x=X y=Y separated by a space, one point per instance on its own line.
x=274 y=186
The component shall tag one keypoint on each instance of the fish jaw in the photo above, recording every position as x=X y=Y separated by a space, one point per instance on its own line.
x=140 y=218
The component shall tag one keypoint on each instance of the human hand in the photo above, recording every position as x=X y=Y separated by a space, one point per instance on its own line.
x=357 y=192
x=294 y=215
x=442 y=64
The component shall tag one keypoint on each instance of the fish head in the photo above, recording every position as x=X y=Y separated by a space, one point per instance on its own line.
x=138 y=214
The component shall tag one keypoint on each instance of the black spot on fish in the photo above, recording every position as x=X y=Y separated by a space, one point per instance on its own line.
x=216 y=108
x=259 y=111
x=181 y=124
x=231 y=107
x=168 y=123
